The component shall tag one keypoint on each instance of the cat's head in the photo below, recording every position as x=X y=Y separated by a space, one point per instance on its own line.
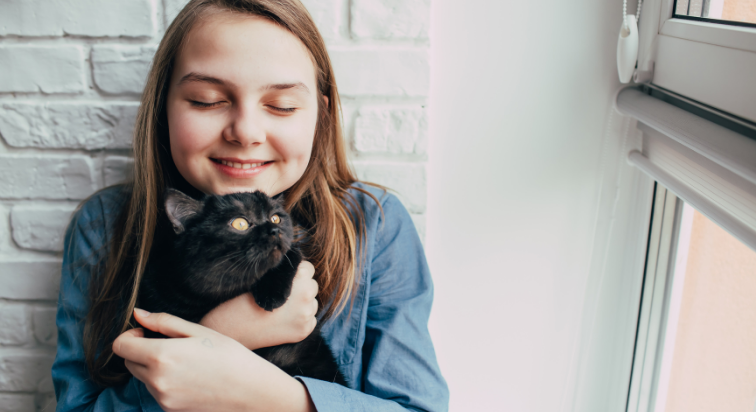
x=226 y=241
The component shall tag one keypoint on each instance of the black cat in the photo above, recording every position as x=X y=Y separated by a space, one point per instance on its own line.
x=220 y=248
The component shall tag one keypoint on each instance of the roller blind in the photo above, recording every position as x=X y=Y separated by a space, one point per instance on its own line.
x=710 y=167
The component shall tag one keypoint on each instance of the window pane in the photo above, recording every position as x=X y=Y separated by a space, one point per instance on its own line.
x=743 y=11
x=709 y=355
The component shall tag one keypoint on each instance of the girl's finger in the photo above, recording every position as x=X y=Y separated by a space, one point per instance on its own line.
x=136 y=332
x=130 y=346
x=169 y=325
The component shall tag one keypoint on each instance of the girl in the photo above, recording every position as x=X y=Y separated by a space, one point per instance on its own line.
x=241 y=97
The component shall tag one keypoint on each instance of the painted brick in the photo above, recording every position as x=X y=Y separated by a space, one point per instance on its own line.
x=43 y=320
x=391 y=130
x=46 y=384
x=24 y=369
x=117 y=169
x=29 y=280
x=40 y=227
x=46 y=177
x=14 y=324
x=71 y=125
x=6 y=241
x=17 y=402
x=406 y=179
x=46 y=69
x=390 y=19
x=94 y=18
x=327 y=16
x=172 y=9
x=45 y=402
x=121 y=69
x=382 y=72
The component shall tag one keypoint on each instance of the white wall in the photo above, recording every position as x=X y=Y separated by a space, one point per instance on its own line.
x=520 y=94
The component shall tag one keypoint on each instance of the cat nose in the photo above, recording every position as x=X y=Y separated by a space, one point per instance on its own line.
x=274 y=230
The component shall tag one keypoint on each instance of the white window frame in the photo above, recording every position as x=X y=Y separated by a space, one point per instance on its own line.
x=708 y=62
x=662 y=286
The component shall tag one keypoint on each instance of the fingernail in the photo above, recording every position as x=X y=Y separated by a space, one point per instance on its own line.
x=141 y=312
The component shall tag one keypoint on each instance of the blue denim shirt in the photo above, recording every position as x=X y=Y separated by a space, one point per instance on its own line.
x=382 y=345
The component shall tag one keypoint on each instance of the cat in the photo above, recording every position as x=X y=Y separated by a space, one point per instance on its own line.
x=221 y=247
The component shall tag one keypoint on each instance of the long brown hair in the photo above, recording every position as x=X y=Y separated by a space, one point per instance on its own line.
x=320 y=196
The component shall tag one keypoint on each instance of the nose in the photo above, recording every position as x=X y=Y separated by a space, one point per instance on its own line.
x=274 y=231
x=246 y=129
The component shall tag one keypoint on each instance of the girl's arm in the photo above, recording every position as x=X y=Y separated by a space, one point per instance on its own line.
x=397 y=368
x=84 y=244
x=202 y=370
x=244 y=321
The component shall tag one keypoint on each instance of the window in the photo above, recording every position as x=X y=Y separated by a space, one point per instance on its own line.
x=739 y=12
x=706 y=59
x=697 y=325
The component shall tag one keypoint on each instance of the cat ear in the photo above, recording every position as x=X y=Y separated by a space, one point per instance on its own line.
x=179 y=208
x=280 y=199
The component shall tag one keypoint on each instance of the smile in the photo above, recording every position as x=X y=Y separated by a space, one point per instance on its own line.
x=236 y=165
x=238 y=168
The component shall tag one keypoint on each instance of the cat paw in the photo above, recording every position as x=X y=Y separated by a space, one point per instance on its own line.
x=269 y=303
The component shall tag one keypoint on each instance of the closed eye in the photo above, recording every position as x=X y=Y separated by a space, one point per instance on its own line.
x=196 y=103
x=283 y=109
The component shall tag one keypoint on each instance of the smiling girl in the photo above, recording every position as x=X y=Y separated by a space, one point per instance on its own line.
x=242 y=97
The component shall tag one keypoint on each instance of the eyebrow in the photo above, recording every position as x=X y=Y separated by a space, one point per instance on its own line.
x=285 y=86
x=203 y=78
x=200 y=78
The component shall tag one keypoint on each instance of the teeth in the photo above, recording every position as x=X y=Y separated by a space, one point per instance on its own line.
x=240 y=165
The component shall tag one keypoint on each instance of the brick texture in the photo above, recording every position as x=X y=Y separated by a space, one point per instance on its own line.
x=117 y=169
x=46 y=177
x=23 y=370
x=11 y=402
x=71 y=74
x=391 y=130
x=14 y=324
x=390 y=19
x=121 y=69
x=93 y=18
x=74 y=125
x=27 y=280
x=40 y=227
x=46 y=69
x=45 y=331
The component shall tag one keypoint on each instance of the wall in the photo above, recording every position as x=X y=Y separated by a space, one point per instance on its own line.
x=71 y=72
x=523 y=156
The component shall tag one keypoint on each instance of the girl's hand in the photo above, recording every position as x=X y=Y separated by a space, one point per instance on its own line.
x=202 y=370
x=247 y=323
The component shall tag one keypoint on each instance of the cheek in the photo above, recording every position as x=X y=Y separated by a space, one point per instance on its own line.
x=296 y=139
x=190 y=135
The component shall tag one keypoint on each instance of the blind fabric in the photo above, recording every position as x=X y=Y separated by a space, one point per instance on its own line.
x=710 y=167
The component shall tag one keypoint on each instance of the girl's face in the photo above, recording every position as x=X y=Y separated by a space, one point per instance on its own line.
x=242 y=106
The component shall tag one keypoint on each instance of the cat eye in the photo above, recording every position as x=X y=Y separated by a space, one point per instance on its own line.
x=240 y=223
x=275 y=219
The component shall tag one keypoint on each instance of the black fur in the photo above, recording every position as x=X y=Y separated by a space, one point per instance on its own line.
x=204 y=262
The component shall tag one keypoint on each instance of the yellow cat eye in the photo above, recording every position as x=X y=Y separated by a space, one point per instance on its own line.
x=275 y=219
x=240 y=223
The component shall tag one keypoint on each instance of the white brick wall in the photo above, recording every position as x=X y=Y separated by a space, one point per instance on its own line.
x=71 y=72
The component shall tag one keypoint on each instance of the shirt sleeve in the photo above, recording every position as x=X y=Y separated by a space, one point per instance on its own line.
x=85 y=242
x=400 y=371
